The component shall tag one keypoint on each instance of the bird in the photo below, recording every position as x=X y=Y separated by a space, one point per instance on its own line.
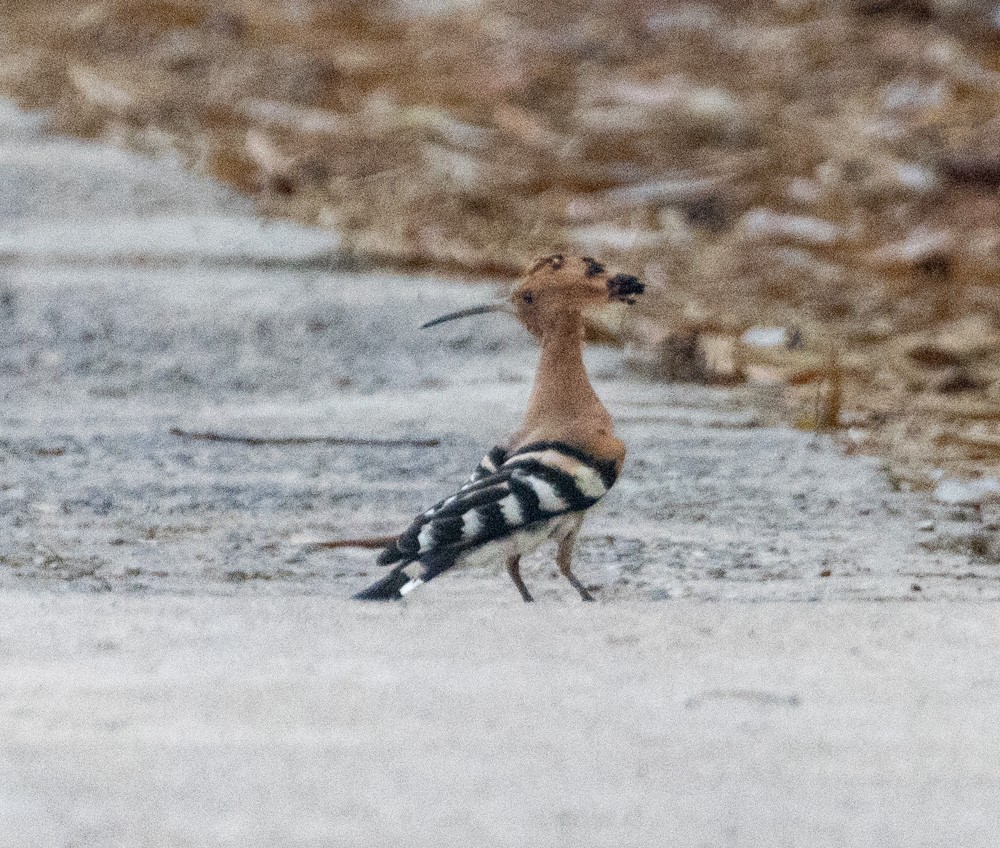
x=540 y=482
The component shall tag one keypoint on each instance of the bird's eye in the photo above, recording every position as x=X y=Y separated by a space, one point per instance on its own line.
x=528 y=297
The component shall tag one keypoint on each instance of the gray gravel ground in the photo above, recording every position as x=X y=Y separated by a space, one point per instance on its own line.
x=178 y=667
x=99 y=494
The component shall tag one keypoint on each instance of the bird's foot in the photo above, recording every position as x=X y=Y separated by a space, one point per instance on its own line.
x=584 y=594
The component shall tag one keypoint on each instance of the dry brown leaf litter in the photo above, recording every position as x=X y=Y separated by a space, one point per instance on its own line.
x=831 y=169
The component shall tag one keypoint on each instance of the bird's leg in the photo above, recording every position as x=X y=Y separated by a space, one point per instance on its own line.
x=564 y=557
x=514 y=570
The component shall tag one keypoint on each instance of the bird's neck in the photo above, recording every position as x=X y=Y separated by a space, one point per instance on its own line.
x=563 y=403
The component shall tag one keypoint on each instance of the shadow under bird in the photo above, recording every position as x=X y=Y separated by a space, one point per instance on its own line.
x=539 y=484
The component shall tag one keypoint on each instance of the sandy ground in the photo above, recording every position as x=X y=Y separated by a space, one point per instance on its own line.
x=177 y=667
x=296 y=720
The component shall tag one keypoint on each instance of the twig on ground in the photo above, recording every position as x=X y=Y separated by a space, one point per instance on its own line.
x=372 y=542
x=211 y=436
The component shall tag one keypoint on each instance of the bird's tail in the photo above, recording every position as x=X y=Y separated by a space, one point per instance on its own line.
x=389 y=588
x=405 y=577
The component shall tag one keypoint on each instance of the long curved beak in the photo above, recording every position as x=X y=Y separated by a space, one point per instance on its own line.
x=501 y=306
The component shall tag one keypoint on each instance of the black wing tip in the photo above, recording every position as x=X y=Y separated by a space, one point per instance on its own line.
x=389 y=555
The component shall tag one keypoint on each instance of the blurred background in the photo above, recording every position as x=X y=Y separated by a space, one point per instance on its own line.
x=811 y=187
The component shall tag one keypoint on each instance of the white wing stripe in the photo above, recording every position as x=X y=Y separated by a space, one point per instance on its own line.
x=589 y=482
x=552 y=458
x=426 y=538
x=511 y=509
x=548 y=500
x=471 y=525
x=409 y=586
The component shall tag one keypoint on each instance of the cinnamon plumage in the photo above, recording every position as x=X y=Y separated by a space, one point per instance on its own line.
x=538 y=484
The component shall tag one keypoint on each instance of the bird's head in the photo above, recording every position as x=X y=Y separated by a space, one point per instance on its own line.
x=556 y=286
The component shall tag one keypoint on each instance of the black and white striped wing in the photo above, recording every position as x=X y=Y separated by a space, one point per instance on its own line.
x=539 y=482
x=507 y=511
x=488 y=465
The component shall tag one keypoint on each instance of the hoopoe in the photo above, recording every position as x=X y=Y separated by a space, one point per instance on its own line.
x=539 y=484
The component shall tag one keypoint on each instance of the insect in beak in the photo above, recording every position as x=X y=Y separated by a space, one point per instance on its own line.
x=625 y=288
